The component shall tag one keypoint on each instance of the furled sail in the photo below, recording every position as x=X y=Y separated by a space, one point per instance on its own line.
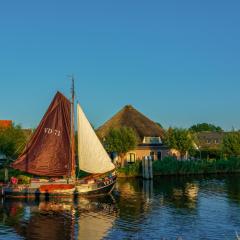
x=92 y=156
x=48 y=152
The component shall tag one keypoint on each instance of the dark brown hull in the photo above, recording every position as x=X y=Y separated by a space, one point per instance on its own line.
x=99 y=191
x=14 y=192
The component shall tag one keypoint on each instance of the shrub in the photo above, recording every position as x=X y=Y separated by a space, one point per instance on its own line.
x=22 y=179
x=131 y=170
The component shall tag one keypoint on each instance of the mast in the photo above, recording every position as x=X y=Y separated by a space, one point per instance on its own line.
x=72 y=173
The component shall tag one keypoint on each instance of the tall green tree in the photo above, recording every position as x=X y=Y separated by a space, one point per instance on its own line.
x=12 y=141
x=231 y=144
x=120 y=141
x=179 y=139
x=205 y=127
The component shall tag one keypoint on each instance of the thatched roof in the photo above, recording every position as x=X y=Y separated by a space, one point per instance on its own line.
x=130 y=117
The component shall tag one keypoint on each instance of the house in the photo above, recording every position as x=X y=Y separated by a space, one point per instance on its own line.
x=210 y=140
x=5 y=123
x=149 y=134
x=209 y=144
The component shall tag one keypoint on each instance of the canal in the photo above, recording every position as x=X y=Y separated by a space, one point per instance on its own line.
x=166 y=208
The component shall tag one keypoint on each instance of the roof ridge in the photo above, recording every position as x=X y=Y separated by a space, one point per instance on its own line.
x=130 y=117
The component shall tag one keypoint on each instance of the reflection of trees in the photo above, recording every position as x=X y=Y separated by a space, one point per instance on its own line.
x=131 y=200
x=233 y=187
x=179 y=192
x=136 y=195
x=10 y=214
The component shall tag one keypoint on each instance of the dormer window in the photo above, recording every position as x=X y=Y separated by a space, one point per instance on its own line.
x=152 y=140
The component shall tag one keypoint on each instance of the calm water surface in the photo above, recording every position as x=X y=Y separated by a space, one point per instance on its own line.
x=167 y=208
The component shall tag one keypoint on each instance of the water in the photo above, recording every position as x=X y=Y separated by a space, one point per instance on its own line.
x=168 y=208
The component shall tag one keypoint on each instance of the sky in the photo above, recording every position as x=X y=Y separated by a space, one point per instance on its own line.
x=178 y=62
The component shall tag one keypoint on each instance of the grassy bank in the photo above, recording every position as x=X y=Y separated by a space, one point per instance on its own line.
x=170 y=166
x=133 y=170
x=167 y=166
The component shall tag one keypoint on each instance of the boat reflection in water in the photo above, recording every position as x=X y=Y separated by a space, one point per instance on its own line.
x=59 y=219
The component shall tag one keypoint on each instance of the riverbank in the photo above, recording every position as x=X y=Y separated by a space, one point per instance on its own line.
x=173 y=167
x=166 y=167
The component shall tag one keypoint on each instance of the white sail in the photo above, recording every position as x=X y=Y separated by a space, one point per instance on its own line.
x=92 y=156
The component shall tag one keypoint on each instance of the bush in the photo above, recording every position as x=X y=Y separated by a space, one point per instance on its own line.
x=15 y=173
x=171 y=166
x=131 y=170
x=22 y=179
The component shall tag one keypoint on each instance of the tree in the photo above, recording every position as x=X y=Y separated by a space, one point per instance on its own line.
x=159 y=124
x=179 y=139
x=120 y=141
x=231 y=144
x=12 y=141
x=203 y=127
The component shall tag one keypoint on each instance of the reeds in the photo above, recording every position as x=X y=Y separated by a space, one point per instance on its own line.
x=171 y=166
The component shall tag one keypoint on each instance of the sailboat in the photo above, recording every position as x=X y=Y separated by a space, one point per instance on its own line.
x=50 y=156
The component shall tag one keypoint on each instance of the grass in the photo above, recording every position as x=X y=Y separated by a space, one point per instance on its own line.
x=171 y=166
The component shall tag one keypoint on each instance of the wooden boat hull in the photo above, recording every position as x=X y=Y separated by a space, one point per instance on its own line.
x=44 y=192
x=48 y=191
x=100 y=190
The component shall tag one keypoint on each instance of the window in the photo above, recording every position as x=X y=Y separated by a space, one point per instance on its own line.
x=152 y=140
x=159 y=155
x=131 y=158
x=152 y=155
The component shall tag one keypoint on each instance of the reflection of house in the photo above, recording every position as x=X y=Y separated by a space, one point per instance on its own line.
x=148 y=132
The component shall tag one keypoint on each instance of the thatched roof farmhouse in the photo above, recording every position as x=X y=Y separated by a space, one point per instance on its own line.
x=148 y=132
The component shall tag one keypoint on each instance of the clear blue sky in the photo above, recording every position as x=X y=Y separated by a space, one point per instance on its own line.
x=178 y=62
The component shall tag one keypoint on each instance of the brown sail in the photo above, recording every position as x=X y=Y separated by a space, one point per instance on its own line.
x=48 y=153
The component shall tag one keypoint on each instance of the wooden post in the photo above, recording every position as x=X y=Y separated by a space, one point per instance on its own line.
x=147 y=172
x=150 y=168
x=5 y=175
x=148 y=189
x=143 y=168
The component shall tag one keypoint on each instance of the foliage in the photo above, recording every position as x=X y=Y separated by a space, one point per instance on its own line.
x=121 y=140
x=131 y=170
x=206 y=153
x=231 y=144
x=171 y=166
x=159 y=124
x=14 y=173
x=179 y=139
x=23 y=179
x=12 y=141
x=81 y=174
x=203 y=127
